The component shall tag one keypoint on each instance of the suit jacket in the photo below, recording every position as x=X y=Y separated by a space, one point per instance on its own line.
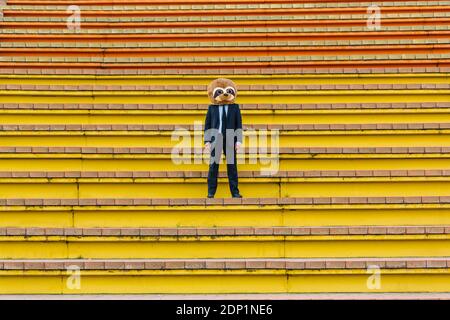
x=234 y=121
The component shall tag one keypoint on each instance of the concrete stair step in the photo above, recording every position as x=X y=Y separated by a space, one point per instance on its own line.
x=215 y=202
x=193 y=232
x=423 y=23
x=380 y=161
x=231 y=264
x=216 y=71
x=243 y=174
x=335 y=17
x=243 y=87
x=294 y=136
x=137 y=44
x=254 y=296
x=177 y=115
x=178 y=32
x=124 y=129
x=224 y=212
x=192 y=2
x=251 y=79
x=345 y=64
x=308 y=152
x=117 y=107
x=384 y=93
x=232 y=6
x=244 y=242
x=406 y=275
x=233 y=54
x=259 y=10
x=183 y=186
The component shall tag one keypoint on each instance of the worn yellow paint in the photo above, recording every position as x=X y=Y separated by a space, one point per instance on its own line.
x=235 y=216
x=171 y=97
x=240 y=79
x=189 y=117
x=89 y=247
x=221 y=281
x=21 y=284
x=415 y=281
x=287 y=162
x=45 y=218
x=195 y=187
x=184 y=138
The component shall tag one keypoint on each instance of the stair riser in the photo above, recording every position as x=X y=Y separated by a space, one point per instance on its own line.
x=339 y=22
x=218 y=247
x=256 y=79
x=286 y=163
x=205 y=53
x=349 y=215
x=233 y=12
x=180 y=188
x=287 y=139
x=256 y=97
x=249 y=117
x=191 y=5
x=221 y=282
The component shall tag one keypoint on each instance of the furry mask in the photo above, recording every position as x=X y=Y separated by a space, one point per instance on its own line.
x=222 y=91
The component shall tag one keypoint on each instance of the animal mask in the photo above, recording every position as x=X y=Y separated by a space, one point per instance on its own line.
x=222 y=91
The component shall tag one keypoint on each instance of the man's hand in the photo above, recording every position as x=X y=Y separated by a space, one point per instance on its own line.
x=207 y=147
x=238 y=146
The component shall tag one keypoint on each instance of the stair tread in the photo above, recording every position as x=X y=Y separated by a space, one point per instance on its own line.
x=182 y=264
x=117 y=6
x=162 y=128
x=336 y=20
x=169 y=150
x=180 y=88
x=228 y=231
x=212 y=69
x=242 y=174
x=152 y=31
x=176 y=58
x=246 y=106
x=308 y=201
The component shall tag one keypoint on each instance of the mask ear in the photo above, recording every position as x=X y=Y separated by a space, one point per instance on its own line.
x=210 y=92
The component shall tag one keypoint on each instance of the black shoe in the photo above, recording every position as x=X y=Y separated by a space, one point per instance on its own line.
x=237 y=195
x=210 y=196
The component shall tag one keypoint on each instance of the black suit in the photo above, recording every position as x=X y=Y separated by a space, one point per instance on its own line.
x=225 y=141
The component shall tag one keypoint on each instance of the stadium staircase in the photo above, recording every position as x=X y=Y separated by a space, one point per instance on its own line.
x=90 y=190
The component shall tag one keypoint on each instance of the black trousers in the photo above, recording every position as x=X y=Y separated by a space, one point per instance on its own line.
x=216 y=152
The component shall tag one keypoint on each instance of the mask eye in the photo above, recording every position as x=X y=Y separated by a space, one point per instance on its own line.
x=218 y=92
x=230 y=91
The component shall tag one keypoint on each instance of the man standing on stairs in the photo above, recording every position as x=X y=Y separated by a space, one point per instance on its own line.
x=223 y=131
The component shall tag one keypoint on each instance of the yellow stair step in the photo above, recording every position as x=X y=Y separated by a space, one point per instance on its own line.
x=238 y=276
x=240 y=79
x=250 y=117
x=51 y=159
x=336 y=242
x=288 y=97
x=250 y=187
x=250 y=212
x=177 y=137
